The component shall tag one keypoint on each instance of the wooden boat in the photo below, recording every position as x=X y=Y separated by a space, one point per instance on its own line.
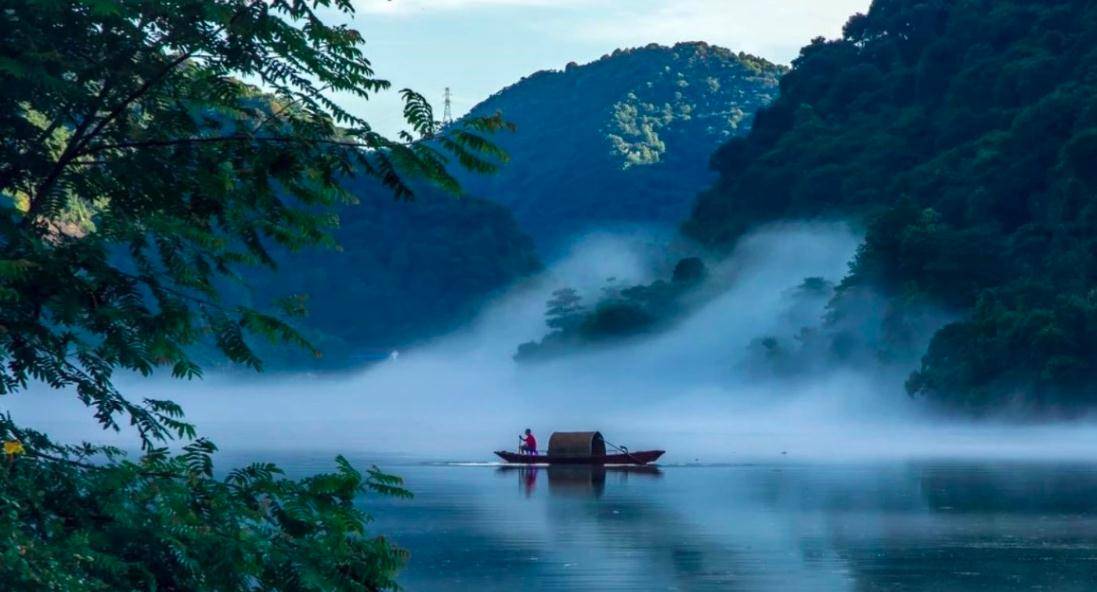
x=580 y=448
x=640 y=457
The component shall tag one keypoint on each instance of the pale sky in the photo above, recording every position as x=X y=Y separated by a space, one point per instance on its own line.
x=479 y=46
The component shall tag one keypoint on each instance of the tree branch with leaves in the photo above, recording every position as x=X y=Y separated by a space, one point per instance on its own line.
x=150 y=150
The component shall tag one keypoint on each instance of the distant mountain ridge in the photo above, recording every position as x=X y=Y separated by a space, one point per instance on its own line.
x=625 y=139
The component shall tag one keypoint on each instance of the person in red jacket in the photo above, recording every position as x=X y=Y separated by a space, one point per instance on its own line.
x=529 y=443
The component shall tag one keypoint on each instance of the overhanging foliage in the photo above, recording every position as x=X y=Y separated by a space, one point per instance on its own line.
x=138 y=173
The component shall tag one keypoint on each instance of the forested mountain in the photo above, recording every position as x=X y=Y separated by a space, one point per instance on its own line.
x=404 y=270
x=965 y=133
x=625 y=139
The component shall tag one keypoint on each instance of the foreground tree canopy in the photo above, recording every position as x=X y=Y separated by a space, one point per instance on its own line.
x=139 y=174
x=966 y=132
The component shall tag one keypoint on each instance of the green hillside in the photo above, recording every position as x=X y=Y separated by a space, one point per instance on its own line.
x=404 y=271
x=965 y=133
x=625 y=139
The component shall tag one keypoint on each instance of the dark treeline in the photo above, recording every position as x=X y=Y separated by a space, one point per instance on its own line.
x=964 y=132
x=620 y=312
x=403 y=271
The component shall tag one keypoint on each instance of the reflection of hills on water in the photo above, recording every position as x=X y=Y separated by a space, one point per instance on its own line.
x=1016 y=488
x=581 y=515
x=926 y=527
x=985 y=528
x=916 y=527
x=651 y=541
x=640 y=539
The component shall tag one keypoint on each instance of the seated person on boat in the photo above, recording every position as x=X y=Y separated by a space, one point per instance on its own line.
x=529 y=443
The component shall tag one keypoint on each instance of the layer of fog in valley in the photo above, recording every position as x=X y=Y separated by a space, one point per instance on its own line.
x=693 y=390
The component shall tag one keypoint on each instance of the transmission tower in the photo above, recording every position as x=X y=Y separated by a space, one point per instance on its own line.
x=447 y=109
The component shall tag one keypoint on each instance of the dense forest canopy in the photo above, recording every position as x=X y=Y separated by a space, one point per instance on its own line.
x=965 y=133
x=404 y=271
x=624 y=139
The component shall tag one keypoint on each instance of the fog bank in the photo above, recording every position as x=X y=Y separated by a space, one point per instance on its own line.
x=688 y=390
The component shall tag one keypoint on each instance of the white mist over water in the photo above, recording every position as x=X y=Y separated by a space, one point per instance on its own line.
x=684 y=390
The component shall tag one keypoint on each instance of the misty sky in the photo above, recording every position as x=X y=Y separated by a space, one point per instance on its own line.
x=479 y=46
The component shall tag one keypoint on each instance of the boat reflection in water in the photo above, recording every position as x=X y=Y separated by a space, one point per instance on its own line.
x=576 y=480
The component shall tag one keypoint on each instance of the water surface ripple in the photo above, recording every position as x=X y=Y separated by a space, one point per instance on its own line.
x=903 y=526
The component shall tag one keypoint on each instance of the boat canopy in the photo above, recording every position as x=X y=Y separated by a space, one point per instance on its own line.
x=577 y=444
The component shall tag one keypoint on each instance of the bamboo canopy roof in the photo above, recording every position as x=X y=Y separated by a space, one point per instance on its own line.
x=577 y=444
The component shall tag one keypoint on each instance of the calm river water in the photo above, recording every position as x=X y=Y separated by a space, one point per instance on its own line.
x=904 y=526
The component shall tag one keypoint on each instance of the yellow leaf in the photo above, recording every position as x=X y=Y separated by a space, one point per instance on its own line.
x=13 y=447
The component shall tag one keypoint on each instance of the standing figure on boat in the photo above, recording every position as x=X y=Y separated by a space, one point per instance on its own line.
x=529 y=443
